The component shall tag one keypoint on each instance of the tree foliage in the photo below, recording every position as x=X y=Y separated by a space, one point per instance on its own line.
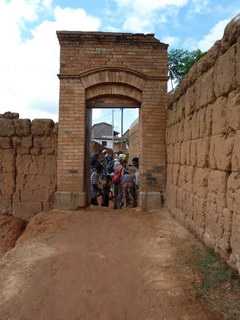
x=180 y=62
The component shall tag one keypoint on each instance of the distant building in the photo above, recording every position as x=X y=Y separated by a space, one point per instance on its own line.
x=102 y=134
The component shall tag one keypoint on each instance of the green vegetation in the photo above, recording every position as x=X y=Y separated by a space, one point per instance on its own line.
x=180 y=62
x=219 y=285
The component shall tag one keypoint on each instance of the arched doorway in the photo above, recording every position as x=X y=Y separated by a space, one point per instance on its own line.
x=110 y=69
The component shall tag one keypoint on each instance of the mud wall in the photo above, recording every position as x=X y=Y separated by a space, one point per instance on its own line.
x=203 y=147
x=134 y=142
x=27 y=165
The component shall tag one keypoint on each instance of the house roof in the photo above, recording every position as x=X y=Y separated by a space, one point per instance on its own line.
x=105 y=123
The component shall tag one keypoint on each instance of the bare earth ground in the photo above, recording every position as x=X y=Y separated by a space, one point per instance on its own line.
x=100 y=265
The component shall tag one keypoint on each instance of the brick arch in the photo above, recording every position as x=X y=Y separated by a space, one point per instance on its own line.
x=125 y=66
x=113 y=94
x=113 y=75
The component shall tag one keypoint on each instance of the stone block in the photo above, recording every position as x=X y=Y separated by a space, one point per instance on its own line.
x=199 y=215
x=217 y=181
x=7 y=161
x=26 y=210
x=224 y=73
x=41 y=165
x=188 y=129
x=235 y=241
x=207 y=92
x=5 y=143
x=238 y=64
x=190 y=100
x=169 y=174
x=22 y=127
x=7 y=128
x=216 y=203
x=236 y=153
x=37 y=192
x=200 y=182
x=195 y=125
x=10 y=115
x=180 y=198
x=219 y=116
x=233 y=192
x=188 y=207
x=176 y=170
x=177 y=152
x=185 y=152
x=233 y=109
x=193 y=150
x=70 y=200
x=22 y=144
x=35 y=151
x=44 y=142
x=205 y=121
x=186 y=177
x=223 y=245
x=197 y=85
x=42 y=127
x=220 y=155
x=7 y=184
x=189 y=173
x=181 y=131
x=231 y=33
x=203 y=146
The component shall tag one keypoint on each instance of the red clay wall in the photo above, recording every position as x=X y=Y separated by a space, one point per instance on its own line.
x=134 y=142
x=27 y=165
x=203 y=147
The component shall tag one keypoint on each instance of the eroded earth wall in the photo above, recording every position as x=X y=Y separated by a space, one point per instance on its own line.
x=27 y=165
x=134 y=142
x=203 y=147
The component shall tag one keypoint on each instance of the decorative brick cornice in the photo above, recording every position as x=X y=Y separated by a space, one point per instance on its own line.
x=112 y=69
x=66 y=37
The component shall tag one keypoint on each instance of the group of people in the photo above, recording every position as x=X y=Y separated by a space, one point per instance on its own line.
x=114 y=182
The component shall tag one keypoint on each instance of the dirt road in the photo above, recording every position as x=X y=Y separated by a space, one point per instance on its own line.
x=100 y=265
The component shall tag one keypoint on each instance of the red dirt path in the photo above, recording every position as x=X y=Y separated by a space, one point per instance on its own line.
x=100 y=265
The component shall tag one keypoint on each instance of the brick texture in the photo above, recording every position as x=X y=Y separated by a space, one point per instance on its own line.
x=108 y=69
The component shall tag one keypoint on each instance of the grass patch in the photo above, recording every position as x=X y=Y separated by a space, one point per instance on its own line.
x=217 y=283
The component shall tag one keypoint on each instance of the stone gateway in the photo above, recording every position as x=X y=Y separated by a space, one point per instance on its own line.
x=99 y=69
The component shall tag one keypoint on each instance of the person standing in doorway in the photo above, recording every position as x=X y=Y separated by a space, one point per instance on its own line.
x=95 y=185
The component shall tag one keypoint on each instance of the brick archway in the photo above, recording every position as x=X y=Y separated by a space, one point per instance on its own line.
x=101 y=69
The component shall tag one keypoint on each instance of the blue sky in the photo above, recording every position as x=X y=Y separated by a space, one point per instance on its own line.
x=29 y=59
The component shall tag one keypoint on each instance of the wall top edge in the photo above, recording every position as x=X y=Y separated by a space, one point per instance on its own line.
x=230 y=38
x=78 y=36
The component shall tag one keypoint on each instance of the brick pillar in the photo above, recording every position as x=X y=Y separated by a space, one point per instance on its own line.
x=71 y=146
x=152 y=145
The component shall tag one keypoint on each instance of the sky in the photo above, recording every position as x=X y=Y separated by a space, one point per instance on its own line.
x=29 y=54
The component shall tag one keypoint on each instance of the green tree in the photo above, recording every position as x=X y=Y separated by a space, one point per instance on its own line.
x=180 y=62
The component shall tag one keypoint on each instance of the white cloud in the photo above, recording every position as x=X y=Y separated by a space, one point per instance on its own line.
x=201 y=6
x=214 y=34
x=144 y=7
x=28 y=81
x=137 y=24
x=143 y=16
x=172 y=41
x=96 y=115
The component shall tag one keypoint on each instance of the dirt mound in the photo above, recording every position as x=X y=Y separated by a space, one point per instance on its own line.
x=46 y=224
x=10 y=230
